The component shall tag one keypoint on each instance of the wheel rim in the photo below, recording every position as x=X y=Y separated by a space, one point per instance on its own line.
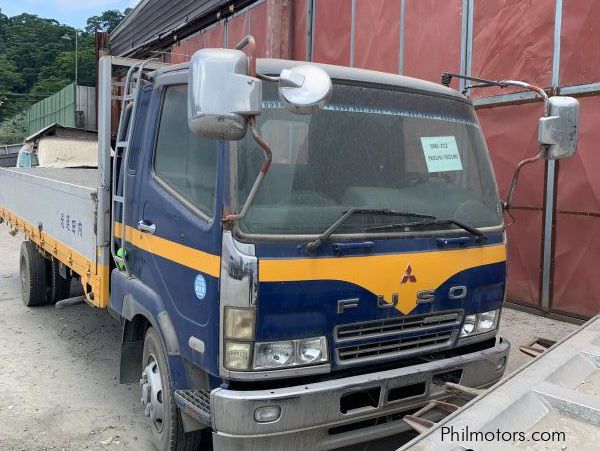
x=152 y=393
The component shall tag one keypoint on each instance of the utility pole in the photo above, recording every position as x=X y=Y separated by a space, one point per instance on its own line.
x=68 y=38
x=76 y=61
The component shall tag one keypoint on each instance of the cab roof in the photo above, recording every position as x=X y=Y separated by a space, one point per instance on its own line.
x=270 y=66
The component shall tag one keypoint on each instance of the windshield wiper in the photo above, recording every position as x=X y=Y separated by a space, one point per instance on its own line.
x=313 y=245
x=479 y=235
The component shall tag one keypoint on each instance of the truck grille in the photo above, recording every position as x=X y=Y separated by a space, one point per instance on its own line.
x=392 y=326
x=397 y=337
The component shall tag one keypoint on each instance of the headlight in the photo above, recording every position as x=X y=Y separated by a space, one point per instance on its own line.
x=480 y=323
x=273 y=355
x=311 y=351
x=469 y=325
x=285 y=354
x=237 y=356
x=239 y=323
x=487 y=321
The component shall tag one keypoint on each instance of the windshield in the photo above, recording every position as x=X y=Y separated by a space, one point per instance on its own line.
x=370 y=148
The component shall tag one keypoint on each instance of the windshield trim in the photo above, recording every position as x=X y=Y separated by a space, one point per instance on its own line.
x=435 y=233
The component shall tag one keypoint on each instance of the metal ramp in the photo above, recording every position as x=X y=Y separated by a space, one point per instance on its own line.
x=558 y=391
x=436 y=408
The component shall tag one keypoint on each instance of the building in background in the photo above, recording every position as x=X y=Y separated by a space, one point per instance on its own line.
x=72 y=106
x=553 y=43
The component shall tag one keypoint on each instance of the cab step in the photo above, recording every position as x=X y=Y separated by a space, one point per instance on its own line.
x=195 y=403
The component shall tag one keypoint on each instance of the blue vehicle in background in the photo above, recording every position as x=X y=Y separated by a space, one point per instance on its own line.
x=299 y=254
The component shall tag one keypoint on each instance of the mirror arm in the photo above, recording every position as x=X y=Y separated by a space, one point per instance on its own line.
x=267 y=77
x=540 y=156
x=533 y=88
x=250 y=42
x=261 y=175
x=513 y=184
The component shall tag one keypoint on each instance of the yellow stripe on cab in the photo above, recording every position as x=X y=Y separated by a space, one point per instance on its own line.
x=383 y=275
x=184 y=255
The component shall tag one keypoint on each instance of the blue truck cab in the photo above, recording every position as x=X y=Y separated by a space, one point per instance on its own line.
x=368 y=268
x=301 y=256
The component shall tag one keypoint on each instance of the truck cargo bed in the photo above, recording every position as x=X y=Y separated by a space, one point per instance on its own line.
x=83 y=177
x=57 y=208
x=61 y=201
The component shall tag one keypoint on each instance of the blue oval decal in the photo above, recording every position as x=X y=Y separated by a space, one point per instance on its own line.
x=200 y=286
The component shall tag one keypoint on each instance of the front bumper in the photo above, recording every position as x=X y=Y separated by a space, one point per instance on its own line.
x=309 y=412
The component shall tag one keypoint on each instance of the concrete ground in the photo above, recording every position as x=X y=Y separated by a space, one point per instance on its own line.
x=58 y=372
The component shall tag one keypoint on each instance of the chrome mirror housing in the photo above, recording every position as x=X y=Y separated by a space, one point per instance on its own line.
x=221 y=94
x=304 y=89
x=559 y=131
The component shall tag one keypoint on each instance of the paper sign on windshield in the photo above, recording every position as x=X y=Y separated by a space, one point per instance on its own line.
x=441 y=154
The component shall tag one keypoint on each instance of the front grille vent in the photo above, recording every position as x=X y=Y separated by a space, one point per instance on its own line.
x=395 y=347
x=370 y=329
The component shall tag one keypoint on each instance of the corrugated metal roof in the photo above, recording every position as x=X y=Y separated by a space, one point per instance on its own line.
x=156 y=21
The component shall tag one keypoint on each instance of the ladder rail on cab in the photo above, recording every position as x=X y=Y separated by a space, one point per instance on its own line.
x=132 y=90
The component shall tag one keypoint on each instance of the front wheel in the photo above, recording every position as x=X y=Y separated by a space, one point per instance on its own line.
x=157 y=397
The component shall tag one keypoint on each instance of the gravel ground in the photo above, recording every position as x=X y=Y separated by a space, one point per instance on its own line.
x=59 y=368
x=58 y=374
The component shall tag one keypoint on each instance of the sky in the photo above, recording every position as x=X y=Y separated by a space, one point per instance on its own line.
x=70 y=12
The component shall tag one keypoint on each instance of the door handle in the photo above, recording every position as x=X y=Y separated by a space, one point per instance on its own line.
x=147 y=227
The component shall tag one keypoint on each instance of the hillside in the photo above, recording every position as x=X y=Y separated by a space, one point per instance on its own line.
x=37 y=59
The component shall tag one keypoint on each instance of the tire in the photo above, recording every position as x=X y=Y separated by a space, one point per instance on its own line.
x=168 y=434
x=58 y=287
x=32 y=267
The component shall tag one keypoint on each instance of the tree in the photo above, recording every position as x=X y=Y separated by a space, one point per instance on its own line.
x=11 y=133
x=107 y=21
x=36 y=60
x=10 y=78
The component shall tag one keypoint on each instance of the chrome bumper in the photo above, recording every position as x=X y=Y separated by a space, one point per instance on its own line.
x=309 y=412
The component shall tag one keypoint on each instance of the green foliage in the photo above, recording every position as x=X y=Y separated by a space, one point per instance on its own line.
x=37 y=57
x=11 y=132
x=107 y=21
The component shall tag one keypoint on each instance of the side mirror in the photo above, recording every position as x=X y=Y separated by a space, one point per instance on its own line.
x=304 y=89
x=221 y=95
x=559 y=130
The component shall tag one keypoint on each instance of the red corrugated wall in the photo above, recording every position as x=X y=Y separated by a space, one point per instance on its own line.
x=377 y=34
x=513 y=39
x=332 y=31
x=577 y=249
x=432 y=38
x=508 y=39
x=511 y=135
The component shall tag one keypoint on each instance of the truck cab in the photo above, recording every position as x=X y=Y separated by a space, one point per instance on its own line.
x=274 y=335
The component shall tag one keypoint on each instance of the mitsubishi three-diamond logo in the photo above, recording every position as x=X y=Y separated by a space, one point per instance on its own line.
x=408 y=276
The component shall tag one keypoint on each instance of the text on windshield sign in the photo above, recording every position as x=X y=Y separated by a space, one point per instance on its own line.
x=441 y=153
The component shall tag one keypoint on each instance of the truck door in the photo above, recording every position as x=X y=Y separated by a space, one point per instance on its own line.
x=177 y=227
